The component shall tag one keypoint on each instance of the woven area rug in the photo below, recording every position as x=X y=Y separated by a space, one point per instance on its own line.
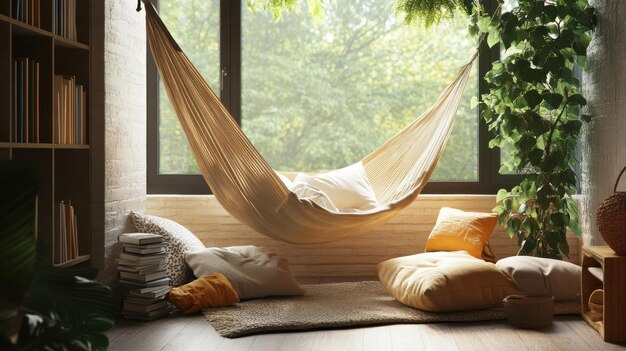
x=337 y=305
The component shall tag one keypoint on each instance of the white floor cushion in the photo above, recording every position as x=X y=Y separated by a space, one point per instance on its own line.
x=537 y=276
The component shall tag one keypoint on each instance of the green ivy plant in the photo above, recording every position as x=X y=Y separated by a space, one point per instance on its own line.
x=534 y=105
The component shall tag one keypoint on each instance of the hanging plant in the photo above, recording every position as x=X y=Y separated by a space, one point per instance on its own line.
x=534 y=105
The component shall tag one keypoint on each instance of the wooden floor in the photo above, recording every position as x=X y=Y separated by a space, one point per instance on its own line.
x=193 y=333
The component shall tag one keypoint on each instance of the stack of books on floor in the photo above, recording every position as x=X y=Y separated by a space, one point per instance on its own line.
x=143 y=276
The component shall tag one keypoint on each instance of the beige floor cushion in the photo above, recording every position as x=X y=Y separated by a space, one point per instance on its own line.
x=445 y=281
x=537 y=276
x=252 y=271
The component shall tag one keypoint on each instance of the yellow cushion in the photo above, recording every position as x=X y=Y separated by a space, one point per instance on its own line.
x=445 y=281
x=457 y=230
x=209 y=291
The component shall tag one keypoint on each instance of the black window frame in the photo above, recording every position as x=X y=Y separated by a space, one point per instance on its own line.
x=489 y=178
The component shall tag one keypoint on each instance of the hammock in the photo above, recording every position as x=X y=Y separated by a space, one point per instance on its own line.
x=251 y=191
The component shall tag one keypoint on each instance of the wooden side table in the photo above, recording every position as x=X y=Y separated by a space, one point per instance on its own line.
x=608 y=272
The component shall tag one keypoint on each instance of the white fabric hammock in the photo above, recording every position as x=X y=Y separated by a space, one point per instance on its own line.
x=249 y=189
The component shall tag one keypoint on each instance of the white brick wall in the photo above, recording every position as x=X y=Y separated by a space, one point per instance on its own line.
x=406 y=234
x=125 y=123
x=604 y=141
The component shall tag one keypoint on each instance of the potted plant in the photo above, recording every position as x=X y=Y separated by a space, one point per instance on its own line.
x=42 y=306
x=534 y=105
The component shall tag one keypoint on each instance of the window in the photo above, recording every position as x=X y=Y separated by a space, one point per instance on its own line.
x=320 y=94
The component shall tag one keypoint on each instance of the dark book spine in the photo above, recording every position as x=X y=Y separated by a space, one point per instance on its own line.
x=24 y=129
x=31 y=101
x=20 y=100
x=15 y=101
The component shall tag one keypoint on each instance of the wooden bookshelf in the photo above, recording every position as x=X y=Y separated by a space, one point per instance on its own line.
x=608 y=272
x=68 y=171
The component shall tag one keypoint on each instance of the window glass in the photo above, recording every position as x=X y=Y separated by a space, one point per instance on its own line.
x=195 y=26
x=320 y=94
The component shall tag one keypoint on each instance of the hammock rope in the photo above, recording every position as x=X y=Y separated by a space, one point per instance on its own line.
x=251 y=191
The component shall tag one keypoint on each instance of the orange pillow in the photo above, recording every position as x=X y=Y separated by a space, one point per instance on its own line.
x=209 y=291
x=457 y=230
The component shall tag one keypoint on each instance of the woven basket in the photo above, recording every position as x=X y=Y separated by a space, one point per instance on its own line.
x=529 y=312
x=596 y=301
x=611 y=218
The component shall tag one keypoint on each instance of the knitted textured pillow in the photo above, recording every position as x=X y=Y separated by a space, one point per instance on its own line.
x=178 y=240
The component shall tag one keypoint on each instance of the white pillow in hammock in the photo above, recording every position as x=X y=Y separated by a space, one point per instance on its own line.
x=313 y=194
x=308 y=193
x=347 y=188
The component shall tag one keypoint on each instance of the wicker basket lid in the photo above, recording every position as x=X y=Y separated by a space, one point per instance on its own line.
x=611 y=219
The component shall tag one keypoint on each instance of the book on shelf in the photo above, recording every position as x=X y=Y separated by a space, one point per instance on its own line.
x=64 y=18
x=140 y=239
x=27 y=11
x=66 y=240
x=26 y=100
x=143 y=276
x=70 y=111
